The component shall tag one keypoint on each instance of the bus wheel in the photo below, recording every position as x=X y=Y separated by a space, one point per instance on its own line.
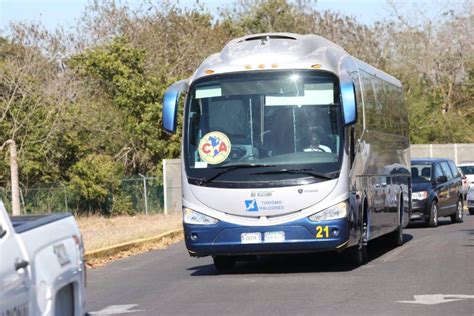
x=356 y=256
x=396 y=237
x=224 y=263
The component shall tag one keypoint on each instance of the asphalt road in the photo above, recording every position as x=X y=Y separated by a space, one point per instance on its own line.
x=433 y=272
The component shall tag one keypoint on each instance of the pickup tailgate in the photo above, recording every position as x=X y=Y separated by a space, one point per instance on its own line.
x=22 y=224
x=54 y=249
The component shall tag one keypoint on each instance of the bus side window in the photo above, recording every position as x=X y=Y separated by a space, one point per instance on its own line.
x=359 y=126
x=403 y=112
x=370 y=110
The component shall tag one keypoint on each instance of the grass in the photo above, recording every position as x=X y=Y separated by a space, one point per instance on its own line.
x=99 y=232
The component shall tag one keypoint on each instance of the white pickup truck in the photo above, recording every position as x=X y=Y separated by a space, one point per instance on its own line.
x=42 y=270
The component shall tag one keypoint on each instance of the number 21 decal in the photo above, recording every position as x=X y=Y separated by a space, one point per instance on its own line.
x=322 y=231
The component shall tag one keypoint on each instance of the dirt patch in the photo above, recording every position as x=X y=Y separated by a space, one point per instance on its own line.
x=142 y=248
x=99 y=232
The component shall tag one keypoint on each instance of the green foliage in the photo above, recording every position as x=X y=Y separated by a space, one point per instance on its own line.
x=95 y=181
x=119 y=69
x=28 y=112
x=122 y=204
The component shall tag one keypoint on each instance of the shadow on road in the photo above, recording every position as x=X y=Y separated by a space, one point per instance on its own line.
x=298 y=263
x=471 y=233
x=441 y=222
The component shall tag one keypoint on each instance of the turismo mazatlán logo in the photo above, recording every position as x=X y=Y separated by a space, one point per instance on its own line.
x=214 y=147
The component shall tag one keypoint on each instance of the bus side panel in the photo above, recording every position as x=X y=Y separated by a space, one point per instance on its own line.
x=382 y=160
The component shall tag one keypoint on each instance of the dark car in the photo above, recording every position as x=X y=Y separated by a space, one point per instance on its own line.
x=436 y=191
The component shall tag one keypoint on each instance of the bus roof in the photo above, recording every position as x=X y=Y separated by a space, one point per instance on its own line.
x=271 y=51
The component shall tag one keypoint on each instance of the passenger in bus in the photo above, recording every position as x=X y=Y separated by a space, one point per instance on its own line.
x=315 y=142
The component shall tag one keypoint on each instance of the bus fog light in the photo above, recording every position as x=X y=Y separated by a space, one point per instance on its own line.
x=194 y=236
x=335 y=232
x=334 y=212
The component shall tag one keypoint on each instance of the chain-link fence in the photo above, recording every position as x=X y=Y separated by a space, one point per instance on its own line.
x=145 y=195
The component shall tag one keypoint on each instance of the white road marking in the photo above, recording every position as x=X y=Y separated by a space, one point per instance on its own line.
x=117 y=309
x=433 y=299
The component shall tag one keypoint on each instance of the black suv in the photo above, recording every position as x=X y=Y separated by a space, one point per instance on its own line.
x=436 y=191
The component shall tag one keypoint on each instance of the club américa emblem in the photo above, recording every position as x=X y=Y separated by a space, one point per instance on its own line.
x=214 y=147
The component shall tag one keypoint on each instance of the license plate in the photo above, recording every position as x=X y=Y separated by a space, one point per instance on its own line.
x=251 y=238
x=274 y=237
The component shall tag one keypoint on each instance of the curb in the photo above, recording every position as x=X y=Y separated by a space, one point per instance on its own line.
x=112 y=250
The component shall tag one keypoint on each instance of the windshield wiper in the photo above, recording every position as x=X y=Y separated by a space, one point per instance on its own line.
x=307 y=171
x=227 y=168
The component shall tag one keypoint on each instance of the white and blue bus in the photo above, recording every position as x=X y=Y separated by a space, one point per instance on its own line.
x=290 y=145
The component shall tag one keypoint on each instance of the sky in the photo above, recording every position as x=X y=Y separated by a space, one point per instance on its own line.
x=52 y=13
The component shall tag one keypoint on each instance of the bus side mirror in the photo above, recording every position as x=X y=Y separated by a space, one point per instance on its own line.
x=170 y=105
x=348 y=99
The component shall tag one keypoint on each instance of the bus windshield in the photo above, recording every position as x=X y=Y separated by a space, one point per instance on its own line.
x=275 y=121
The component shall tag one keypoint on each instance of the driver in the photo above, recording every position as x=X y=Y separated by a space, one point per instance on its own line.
x=315 y=143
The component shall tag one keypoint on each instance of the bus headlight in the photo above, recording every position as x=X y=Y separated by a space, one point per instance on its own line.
x=333 y=212
x=192 y=217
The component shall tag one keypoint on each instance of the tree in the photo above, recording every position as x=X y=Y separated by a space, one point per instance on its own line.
x=94 y=183
x=118 y=69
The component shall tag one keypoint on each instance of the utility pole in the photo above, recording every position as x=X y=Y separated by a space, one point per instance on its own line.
x=14 y=176
x=145 y=193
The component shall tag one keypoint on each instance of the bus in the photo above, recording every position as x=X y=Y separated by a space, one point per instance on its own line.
x=290 y=145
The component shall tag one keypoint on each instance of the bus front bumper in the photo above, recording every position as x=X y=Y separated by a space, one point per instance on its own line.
x=294 y=237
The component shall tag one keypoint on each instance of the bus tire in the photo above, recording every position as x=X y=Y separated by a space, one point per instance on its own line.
x=396 y=237
x=224 y=263
x=356 y=256
x=471 y=211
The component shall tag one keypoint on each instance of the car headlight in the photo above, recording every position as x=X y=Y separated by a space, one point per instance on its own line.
x=192 y=217
x=333 y=212
x=419 y=195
